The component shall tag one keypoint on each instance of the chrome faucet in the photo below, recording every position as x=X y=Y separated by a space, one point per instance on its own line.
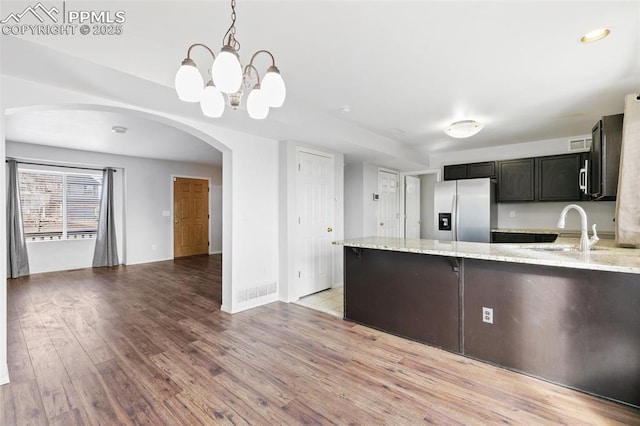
x=585 y=241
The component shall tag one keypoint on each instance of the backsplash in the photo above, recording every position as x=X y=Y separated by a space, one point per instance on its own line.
x=543 y=215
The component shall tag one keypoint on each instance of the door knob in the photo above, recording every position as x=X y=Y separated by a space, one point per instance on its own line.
x=329 y=229
x=176 y=221
x=381 y=223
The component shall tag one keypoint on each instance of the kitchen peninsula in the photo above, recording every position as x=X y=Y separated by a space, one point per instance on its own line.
x=546 y=310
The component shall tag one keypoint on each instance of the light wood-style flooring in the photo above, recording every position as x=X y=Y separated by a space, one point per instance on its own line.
x=147 y=344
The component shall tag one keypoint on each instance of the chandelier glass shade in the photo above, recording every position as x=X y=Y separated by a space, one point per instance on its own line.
x=229 y=77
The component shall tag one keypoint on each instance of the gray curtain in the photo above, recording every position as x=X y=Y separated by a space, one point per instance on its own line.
x=17 y=259
x=106 y=252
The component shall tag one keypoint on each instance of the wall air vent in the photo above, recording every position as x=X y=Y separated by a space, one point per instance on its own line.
x=255 y=292
x=579 y=144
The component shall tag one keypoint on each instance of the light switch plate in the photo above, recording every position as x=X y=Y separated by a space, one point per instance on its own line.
x=166 y=213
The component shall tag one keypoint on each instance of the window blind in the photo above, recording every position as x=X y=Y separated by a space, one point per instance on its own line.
x=59 y=204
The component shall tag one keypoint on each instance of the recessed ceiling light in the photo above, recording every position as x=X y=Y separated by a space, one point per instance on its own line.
x=463 y=129
x=119 y=129
x=344 y=109
x=595 y=35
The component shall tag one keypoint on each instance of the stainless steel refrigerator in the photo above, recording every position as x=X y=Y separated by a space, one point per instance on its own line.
x=465 y=210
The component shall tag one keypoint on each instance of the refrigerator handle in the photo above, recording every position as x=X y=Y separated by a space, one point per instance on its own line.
x=454 y=211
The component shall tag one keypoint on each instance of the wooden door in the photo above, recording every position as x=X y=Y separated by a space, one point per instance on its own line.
x=191 y=217
x=388 y=204
x=315 y=209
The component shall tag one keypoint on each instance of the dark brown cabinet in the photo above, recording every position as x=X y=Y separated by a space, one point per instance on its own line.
x=455 y=172
x=516 y=180
x=605 y=157
x=522 y=237
x=485 y=169
x=558 y=177
x=570 y=326
x=407 y=294
x=549 y=178
x=575 y=327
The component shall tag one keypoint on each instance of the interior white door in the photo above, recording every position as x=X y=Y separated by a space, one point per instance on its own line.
x=315 y=209
x=412 y=207
x=388 y=204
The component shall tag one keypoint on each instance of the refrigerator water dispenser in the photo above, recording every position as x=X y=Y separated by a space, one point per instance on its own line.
x=444 y=221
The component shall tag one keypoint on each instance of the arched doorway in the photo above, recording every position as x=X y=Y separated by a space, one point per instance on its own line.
x=152 y=121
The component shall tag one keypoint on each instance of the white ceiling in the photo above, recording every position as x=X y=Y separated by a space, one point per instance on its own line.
x=407 y=69
x=91 y=130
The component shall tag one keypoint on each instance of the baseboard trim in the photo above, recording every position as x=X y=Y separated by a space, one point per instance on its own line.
x=216 y=252
x=142 y=262
x=4 y=374
x=254 y=303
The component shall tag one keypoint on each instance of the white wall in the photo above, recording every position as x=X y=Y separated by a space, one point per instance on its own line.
x=545 y=215
x=361 y=211
x=143 y=190
x=533 y=215
x=353 y=200
x=427 y=220
x=370 y=207
x=288 y=157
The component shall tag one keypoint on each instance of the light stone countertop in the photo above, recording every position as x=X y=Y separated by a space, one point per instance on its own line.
x=604 y=256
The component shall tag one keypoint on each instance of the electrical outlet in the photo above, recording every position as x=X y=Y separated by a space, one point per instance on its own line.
x=487 y=315
x=512 y=213
x=154 y=247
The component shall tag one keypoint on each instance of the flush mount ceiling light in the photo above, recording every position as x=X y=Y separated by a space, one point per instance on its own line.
x=228 y=76
x=463 y=129
x=595 y=35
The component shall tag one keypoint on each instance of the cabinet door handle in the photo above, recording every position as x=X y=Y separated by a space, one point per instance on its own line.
x=329 y=229
x=582 y=177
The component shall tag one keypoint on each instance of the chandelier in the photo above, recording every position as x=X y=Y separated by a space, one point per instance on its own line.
x=227 y=75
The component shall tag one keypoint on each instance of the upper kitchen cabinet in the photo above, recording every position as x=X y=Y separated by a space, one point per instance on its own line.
x=558 y=177
x=470 y=171
x=455 y=172
x=605 y=157
x=516 y=180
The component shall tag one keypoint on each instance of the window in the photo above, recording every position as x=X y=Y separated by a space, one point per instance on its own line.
x=59 y=204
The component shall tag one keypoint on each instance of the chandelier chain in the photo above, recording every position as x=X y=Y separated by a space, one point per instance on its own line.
x=230 y=36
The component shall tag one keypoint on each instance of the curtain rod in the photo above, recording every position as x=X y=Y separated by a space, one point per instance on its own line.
x=64 y=167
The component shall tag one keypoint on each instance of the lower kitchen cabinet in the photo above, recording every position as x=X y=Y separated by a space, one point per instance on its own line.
x=407 y=294
x=576 y=327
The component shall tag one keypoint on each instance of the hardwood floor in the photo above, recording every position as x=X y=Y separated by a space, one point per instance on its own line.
x=147 y=344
